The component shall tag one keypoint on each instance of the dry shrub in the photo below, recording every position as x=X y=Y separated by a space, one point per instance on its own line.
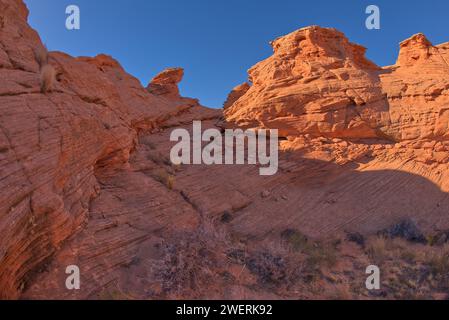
x=341 y=292
x=318 y=253
x=191 y=262
x=164 y=177
x=48 y=78
x=298 y=241
x=322 y=255
x=41 y=56
x=439 y=261
x=377 y=249
x=275 y=266
x=186 y=267
x=47 y=71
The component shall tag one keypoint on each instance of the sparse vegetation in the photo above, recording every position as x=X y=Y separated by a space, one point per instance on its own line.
x=377 y=249
x=405 y=229
x=48 y=78
x=318 y=253
x=439 y=261
x=164 y=177
x=113 y=292
x=296 y=239
x=41 y=56
x=322 y=255
x=47 y=71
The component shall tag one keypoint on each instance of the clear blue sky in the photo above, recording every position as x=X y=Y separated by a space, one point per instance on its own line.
x=216 y=41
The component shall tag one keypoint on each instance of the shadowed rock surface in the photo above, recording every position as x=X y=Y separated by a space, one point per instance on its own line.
x=86 y=179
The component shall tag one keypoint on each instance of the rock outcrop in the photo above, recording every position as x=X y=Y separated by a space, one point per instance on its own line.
x=166 y=83
x=236 y=94
x=417 y=90
x=86 y=179
x=319 y=83
x=55 y=147
x=316 y=82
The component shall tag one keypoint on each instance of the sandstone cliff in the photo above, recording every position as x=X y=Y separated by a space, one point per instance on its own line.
x=86 y=177
x=319 y=83
x=54 y=146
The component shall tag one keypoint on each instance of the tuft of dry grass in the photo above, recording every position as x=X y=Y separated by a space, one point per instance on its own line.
x=48 y=78
x=439 y=261
x=47 y=71
x=377 y=249
x=322 y=255
x=296 y=240
x=41 y=56
x=164 y=177
x=341 y=292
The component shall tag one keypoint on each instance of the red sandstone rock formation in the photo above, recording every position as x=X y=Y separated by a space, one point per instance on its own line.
x=236 y=94
x=319 y=83
x=86 y=178
x=166 y=83
x=316 y=82
x=55 y=146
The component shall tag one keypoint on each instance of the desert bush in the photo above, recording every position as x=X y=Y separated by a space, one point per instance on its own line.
x=47 y=78
x=357 y=238
x=47 y=71
x=318 y=253
x=41 y=56
x=164 y=177
x=439 y=261
x=269 y=268
x=408 y=255
x=192 y=261
x=298 y=241
x=377 y=249
x=187 y=265
x=321 y=254
x=340 y=292
x=115 y=295
x=405 y=229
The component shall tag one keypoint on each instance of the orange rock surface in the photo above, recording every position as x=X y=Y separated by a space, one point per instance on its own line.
x=86 y=179
x=319 y=83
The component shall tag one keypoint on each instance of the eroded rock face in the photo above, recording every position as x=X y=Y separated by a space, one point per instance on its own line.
x=166 y=83
x=319 y=83
x=236 y=94
x=417 y=88
x=55 y=146
x=86 y=179
x=316 y=82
